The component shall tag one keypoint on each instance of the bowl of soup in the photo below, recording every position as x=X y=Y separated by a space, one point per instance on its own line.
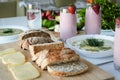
x=11 y=32
x=94 y=46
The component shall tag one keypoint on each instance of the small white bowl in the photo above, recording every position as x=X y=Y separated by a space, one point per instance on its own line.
x=12 y=37
x=91 y=54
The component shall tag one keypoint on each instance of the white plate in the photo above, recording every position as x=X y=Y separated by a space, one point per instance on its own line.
x=24 y=28
x=99 y=54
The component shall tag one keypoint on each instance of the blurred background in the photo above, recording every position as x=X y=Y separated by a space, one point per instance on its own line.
x=13 y=8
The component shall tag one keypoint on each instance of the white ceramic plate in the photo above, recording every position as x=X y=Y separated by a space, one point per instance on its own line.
x=24 y=28
x=92 y=54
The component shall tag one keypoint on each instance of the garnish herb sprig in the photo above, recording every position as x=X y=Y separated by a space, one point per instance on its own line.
x=94 y=42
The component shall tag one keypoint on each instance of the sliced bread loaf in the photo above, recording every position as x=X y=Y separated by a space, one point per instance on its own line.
x=59 y=56
x=67 y=69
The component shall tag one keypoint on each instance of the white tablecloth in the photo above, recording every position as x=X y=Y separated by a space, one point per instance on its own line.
x=21 y=21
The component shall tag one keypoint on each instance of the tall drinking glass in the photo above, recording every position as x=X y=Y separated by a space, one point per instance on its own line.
x=67 y=24
x=34 y=16
x=117 y=45
x=92 y=20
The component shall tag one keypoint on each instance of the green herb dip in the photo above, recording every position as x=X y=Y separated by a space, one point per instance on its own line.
x=82 y=45
x=9 y=31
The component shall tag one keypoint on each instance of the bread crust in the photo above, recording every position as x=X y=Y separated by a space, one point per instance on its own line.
x=33 y=33
x=65 y=74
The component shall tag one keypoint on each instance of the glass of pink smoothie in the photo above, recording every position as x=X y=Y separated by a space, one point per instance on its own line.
x=93 y=20
x=68 y=27
x=117 y=45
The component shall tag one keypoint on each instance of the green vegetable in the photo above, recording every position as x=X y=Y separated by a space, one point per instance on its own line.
x=49 y=24
x=51 y=28
x=81 y=17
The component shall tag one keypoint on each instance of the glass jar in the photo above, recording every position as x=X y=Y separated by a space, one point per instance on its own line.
x=34 y=18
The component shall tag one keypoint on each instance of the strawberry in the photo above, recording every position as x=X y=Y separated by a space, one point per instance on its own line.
x=71 y=9
x=96 y=8
x=50 y=17
x=117 y=21
x=48 y=13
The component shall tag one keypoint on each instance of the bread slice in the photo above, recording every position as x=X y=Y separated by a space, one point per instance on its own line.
x=59 y=56
x=39 y=47
x=13 y=59
x=7 y=51
x=24 y=72
x=67 y=69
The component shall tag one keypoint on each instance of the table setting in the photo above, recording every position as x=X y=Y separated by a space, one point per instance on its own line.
x=56 y=44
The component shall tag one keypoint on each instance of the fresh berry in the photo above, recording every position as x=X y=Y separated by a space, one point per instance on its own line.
x=117 y=21
x=48 y=13
x=96 y=8
x=71 y=9
x=50 y=17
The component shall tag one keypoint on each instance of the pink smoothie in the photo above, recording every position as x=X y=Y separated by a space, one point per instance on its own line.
x=92 y=21
x=67 y=25
x=117 y=47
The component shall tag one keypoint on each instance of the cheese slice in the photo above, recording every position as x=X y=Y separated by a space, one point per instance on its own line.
x=13 y=59
x=7 y=51
x=24 y=72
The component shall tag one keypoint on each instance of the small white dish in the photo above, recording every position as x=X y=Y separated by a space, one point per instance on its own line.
x=91 y=54
x=11 y=37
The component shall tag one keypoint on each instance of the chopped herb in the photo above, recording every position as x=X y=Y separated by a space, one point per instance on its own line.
x=95 y=42
x=7 y=30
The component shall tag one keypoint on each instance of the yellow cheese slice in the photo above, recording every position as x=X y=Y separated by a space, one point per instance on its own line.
x=13 y=59
x=7 y=51
x=24 y=72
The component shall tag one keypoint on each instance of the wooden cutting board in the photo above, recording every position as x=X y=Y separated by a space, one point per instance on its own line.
x=93 y=73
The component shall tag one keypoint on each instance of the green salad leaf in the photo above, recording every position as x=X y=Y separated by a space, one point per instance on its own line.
x=49 y=24
x=81 y=17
